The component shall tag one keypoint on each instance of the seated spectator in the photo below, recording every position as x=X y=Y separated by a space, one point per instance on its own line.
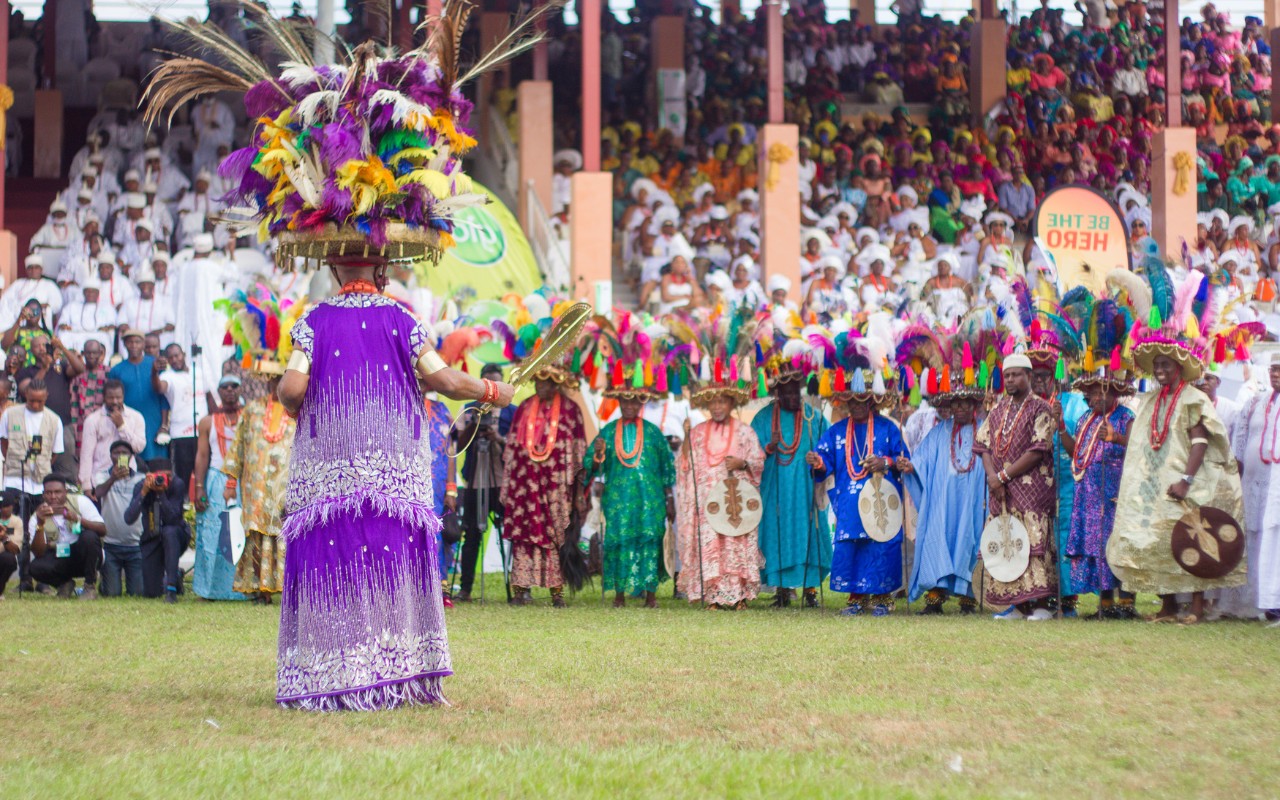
x=10 y=538
x=158 y=501
x=121 y=551
x=1018 y=199
x=32 y=288
x=87 y=319
x=113 y=422
x=66 y=533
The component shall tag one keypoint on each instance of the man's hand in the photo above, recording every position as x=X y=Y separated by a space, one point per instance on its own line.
x=993 y=483
x=451 y=503
x=202 y=504
x=997 y=495
x=598 y=450
x=1179 y=490
x=119 y=473
x=903 y=465
x=506 y=393
x=160 y=365
x=44 y=512
x=815 y=461
x=733 y=463
x=117 y=416
x=70 y=513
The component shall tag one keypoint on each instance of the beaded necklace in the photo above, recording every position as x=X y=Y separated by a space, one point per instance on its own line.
x=1089 y=446
x=629 y=458
x=1160 y=431
x=716 y=458
x=957 y=436
x=1273 y=457
x=360 y=286
x=534 y=430
x=273 y=421
x=777 y=444
x=851 y=451
x=220 y=427
x=1008 y=424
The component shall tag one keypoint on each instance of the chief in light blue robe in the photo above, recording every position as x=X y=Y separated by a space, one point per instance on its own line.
x=860 y=565
x=1074 y=408
x=792 y=558
x=952 y=508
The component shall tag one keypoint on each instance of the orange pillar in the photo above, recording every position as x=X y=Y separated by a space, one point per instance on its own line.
x=780 y=206
x=434 y=7
x=1173 y=217
x=590 y=234
x=866 y=12
x=8 y=242
x=774 y=60
x=1271 y=20
x=533 y=102
x=589 y=11
x=987 y=82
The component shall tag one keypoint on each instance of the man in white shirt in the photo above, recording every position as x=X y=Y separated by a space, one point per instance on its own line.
x=188 y=403
x=170 y=183
x=146 y=312
x=202 y=280
x=113 y=422
x=55 y=237
x=137 y=252
x=214 y=125
x=197 y=207
x=87 y=319
x=32 y=287
x=115 y=288
x=157 y=210
x=66 y=540
x=164 y=284
x=126 y=220
x=567 y=162
x=30 y=439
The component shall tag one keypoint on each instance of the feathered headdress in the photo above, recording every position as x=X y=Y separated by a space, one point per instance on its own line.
x=258 y=325
x=360 y=158
x=1107 y=359
x=1171 y=328
x=856 y=364
x=723 y=352
x=783 y=355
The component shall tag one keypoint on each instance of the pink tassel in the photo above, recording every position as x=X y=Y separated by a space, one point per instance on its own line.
x=966 y=358
x=1115 y=358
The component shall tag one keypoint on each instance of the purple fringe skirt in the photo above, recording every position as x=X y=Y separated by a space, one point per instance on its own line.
x=361 y=623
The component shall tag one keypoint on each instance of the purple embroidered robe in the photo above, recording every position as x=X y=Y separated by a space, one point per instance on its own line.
x=361 y=624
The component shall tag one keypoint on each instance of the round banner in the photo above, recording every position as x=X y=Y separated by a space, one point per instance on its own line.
x=733 y=507
x=1207 y=543
x=1083 y=234
x=880 y=509
x=1005 y=548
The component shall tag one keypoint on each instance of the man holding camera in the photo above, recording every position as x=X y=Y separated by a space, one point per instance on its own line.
x=482 y=473
x=66 y=540
x=114 y=422
x=30 y=438
x=157 y=500
x=121 y=548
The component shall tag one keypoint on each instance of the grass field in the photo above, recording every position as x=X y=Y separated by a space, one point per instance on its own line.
x=127 y=698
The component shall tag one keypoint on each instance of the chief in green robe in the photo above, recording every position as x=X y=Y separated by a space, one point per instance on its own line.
x=795 y=539
x=633 y=458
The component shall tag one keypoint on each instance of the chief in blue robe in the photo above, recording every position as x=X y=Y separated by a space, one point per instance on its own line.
x=795 y=538
x=952 y=509
x=868 y=570
x=1074 y=408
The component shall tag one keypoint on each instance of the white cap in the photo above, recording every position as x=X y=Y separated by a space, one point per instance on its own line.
x=779 y=283
x=906 y=191
x=863 y=233
x=702 y=190
x=144 y=275
x=58 y=207
x=159 y=256
x=91 y=282
x=135 y=200
x=202 y=243
x=89 y=171
x=145 y=224
x=150 y=187
x=92 y=217
x=34 y=260
x=719 y=213
x=84 y=194
x=97 y=158
x=132 y=175
x=1016 y=361
x=151 y=153
x=571 y=157
x=748 y=195
x=719 y=279
x=204 y=175
x=107 y=257
x=999 y=216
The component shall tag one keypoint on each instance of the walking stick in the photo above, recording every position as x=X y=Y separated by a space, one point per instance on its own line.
x=697 y=521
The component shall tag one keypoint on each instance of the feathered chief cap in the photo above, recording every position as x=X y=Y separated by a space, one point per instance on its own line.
x=359 y=158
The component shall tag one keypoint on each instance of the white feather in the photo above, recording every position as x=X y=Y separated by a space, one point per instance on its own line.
x=310 y=105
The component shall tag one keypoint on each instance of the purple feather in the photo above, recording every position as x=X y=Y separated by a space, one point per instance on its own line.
x=262 y=100
x=338 y=145
x=828 y=348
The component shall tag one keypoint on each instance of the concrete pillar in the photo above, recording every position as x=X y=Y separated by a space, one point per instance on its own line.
x=49 y=25
x=46 y=161
x=774 y=60
x=589 y=18
x=323 y=47
x=866 y=12
x=987 y=81
x=1173 y=218
x=1173 y=77
x=492 y=25
x=667 y=42
x=533 y=102
x=540 y=50
x=780 y=207
x=730 y=10
x=435 y=8
x=4 y=81
x=590 y=233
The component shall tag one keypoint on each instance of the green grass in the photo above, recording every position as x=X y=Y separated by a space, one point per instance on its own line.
x=129 y=698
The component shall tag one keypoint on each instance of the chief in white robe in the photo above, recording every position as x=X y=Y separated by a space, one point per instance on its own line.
x=87 y=319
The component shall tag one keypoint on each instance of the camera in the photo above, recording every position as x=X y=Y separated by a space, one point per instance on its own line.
x=160 y=480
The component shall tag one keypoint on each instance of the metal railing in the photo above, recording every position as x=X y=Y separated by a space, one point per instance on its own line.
x=550 y=251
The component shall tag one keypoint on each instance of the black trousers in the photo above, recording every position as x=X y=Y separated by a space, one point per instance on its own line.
x=8 y=566
x=160 y=554
x=183 y=453
x=27 y=512
x=473 y=528
x=85 y=558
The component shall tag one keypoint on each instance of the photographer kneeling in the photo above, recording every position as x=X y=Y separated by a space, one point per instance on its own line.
x=66 y=539
x=165 y=536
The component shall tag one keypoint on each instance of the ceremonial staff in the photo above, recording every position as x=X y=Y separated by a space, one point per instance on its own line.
x=697 y=515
